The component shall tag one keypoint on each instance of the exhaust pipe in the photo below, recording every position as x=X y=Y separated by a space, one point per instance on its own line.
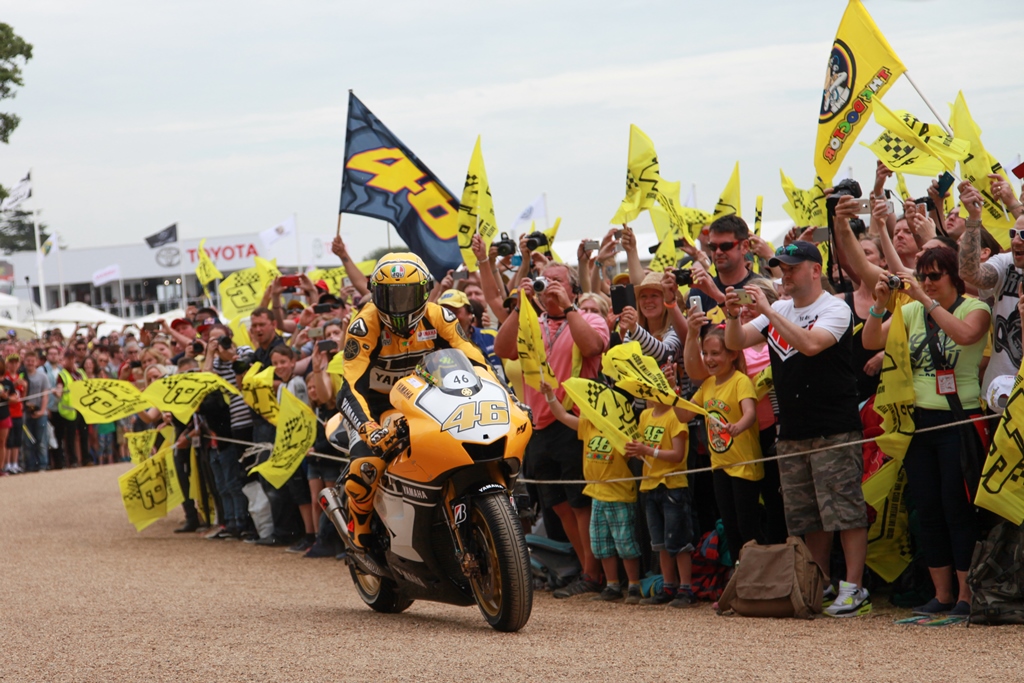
x=331 y=504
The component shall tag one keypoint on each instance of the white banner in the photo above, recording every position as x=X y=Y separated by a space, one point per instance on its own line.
x=18 y=194
x=105 y=275
x=535 y=212
x=283 y=229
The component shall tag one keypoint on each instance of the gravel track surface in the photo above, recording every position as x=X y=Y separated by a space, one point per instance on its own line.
x=83 y=597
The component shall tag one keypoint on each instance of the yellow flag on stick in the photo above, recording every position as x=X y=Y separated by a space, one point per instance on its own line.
x=758 y=206
x=180 y=395
x=140 y=444
x=1002 y=479
x=241 y=292
x=764 y=382
x=909 y=134
x=533 y=357
x=861 y=67
x=610 y=411
x=640 y=375
x=267 y=270
x=258 y=392
x=889 y=551
x=240 y=333
x=894 y=402
x=797 y=202
x=296 y=432
x=901 y=187
x=729 y=203
x=206 y=272
x=976 y=167
x=476 y=210
x=684 y=222
x=332 y=277
x=149 y=490
x=101 y=401
x=642 y=177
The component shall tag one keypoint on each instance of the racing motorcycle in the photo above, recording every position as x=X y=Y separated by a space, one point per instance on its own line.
x=445 y=526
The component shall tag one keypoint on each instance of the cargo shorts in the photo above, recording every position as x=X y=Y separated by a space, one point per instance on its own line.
x=822 y=491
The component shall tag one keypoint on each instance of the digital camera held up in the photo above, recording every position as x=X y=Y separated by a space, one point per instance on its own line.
x=536 y=239
x=505 y=245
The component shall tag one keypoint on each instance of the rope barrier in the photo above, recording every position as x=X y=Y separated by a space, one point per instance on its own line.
x=267 y=446
x=700 y=470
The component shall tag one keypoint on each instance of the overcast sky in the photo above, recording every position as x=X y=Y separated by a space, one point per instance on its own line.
x=227 y=116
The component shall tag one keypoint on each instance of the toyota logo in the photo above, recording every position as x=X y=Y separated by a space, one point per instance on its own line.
x=168 y=257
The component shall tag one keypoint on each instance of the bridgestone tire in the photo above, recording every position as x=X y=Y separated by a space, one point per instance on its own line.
x=381 y=595
x=504 y=586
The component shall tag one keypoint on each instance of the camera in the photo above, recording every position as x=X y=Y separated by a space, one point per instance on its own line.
x=225 y=342
x=241 y=365
x=197 y=348
x=847 y=187
x=505 y=245
x=536 y=239
x=539 y=284
x=684 y=278
x=894 y=282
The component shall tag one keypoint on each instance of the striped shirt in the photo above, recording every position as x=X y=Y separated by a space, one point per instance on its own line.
x=241 y=414
x=662 y=351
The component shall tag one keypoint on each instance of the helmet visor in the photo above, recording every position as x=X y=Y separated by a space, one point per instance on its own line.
x=400 y=299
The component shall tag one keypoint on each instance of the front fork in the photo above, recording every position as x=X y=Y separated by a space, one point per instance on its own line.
x=457 y=510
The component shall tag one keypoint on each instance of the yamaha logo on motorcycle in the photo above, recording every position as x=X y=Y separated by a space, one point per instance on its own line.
x=444 y=525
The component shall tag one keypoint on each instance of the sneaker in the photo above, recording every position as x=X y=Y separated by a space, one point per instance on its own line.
x=609 y=594
x=829 y=596
x=962 y=609
x=933 y=607
x=683 y=599
x=850 y=601
x=302 y=546
x=215 y=534
x=633 y=595
x=659 y=598
x=578 y=587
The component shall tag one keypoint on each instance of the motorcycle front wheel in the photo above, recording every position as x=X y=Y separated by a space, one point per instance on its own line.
x=503 y=586
x=381 y=595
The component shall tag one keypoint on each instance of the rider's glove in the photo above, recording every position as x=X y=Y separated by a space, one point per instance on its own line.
x=380 y=439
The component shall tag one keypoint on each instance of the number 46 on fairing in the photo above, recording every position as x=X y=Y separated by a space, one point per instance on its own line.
x=477 y=413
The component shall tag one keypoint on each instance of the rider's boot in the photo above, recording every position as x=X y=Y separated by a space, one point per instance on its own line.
x=361 y=485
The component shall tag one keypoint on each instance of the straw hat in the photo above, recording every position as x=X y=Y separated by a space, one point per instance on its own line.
x=651 y=281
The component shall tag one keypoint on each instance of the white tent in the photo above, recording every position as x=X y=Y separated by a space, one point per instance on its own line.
x=20 y=331
x=9 y=306
x=77 y=312
x=153 y=317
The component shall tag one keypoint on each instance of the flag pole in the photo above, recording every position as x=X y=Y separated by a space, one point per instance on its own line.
x=60 y=271
x=298 y=243
x=942 y=122
x=39 y=262
x=338 y=231
x=184 y=294
x=120 y=279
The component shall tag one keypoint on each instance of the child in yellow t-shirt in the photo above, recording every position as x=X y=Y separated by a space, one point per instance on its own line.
x=729 y=396
x=613 y=511
x=667 y=500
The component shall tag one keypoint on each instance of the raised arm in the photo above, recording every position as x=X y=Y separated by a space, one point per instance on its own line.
x=355 y=276
x=972 y=270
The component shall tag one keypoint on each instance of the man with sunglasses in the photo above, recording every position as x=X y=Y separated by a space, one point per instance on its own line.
x=810 y=343
x=998 y=279
x=728 y=242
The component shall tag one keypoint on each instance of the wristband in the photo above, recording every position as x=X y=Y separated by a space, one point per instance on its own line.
x=656 y=451
x=670 y=305
x=1014 y=207
x=876 y=315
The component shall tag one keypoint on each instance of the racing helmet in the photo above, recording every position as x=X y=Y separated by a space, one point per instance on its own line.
x=400 y=286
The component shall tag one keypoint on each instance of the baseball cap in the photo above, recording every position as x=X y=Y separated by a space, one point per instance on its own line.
x=180 y=322
x=322 y=285
x=453 y=298
x=206 y=324
x=795 y=253
x=621 y=279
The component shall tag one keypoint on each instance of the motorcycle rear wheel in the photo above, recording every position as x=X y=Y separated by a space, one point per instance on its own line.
x=380 y=595
x=503 y=587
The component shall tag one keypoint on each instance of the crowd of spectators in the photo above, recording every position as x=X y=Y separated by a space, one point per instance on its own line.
x=749 y=308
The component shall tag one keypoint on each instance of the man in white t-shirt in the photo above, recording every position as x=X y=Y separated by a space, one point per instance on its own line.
x=1000 y=279
x=810 y=342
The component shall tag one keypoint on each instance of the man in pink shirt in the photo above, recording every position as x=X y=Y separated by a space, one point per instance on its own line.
x=555 y=452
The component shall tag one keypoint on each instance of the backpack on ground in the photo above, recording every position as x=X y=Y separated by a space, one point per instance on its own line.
x=552 y=563
x=779 y=580
x=996 y=577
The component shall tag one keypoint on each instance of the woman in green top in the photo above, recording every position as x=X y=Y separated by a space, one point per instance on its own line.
x=939 y=320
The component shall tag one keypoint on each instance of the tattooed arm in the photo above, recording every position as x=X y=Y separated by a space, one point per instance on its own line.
x=972 y=270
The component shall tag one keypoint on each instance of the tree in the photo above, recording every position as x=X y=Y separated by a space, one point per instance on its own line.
x=12 y=49
x=17 y=234
x=375 y=254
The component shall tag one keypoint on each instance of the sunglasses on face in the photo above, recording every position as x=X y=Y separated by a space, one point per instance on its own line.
x=1015 y=233
x=721 y=246
x=934 y=277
